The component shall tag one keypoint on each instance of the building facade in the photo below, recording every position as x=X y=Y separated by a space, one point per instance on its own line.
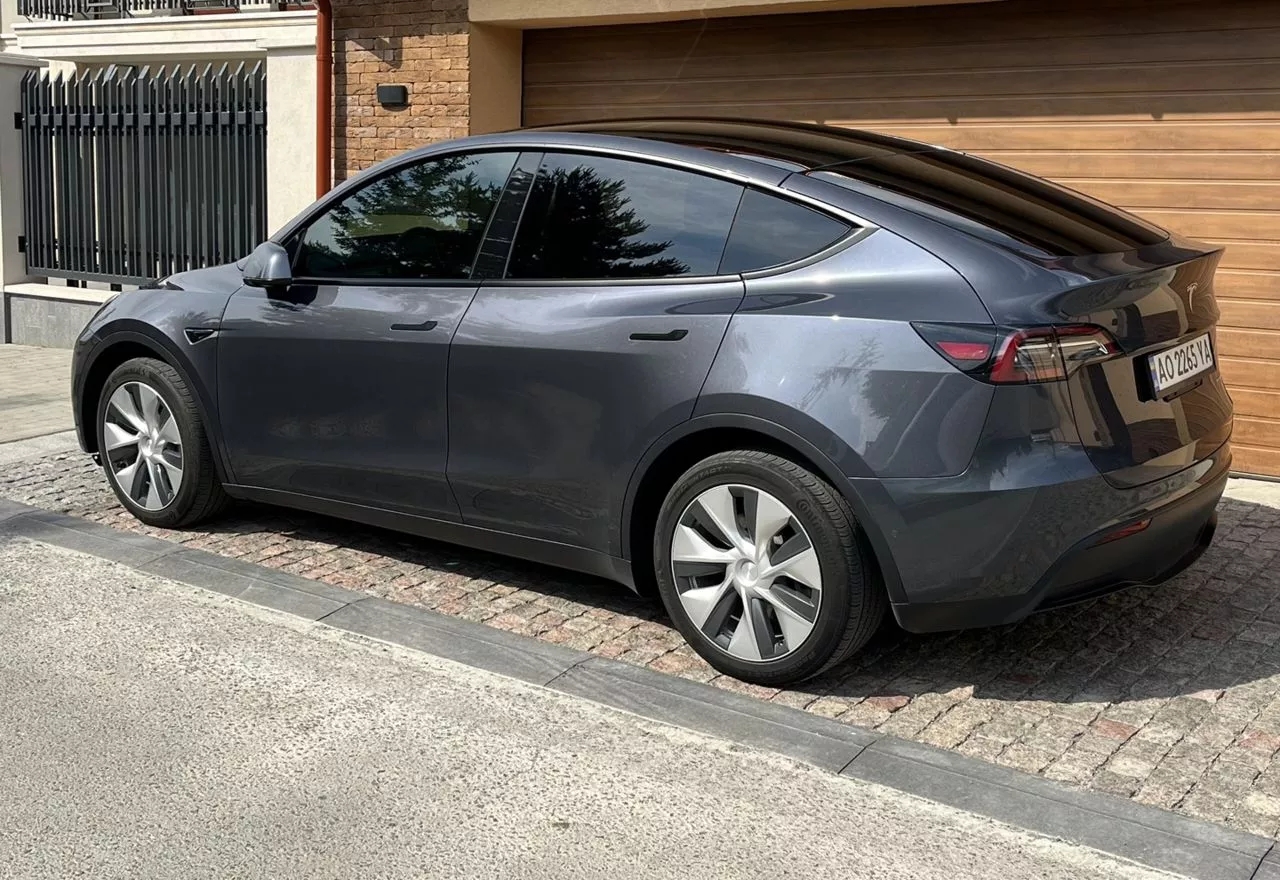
x=1170 y=109
x=128 y=58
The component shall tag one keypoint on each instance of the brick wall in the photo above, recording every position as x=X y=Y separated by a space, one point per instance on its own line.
x=418 y=43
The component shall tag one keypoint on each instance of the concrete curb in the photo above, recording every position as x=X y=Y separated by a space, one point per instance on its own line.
x=1143 y=834
x=14 y=451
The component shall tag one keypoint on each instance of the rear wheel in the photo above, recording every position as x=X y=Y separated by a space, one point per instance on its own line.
x=154 y=448
x=760 y=564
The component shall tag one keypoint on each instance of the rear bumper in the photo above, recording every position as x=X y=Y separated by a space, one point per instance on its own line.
x=1181 y=510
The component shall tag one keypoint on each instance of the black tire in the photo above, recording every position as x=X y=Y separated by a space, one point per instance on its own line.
x=200 y=495
x=853 y=599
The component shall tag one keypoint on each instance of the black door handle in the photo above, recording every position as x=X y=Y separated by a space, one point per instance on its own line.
x=670 y=336
x=425 y=325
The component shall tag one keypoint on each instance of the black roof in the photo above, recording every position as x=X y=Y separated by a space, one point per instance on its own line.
x=991 y=201
x=798 y=146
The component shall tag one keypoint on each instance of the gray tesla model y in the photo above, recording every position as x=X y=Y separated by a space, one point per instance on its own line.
x=788 y=377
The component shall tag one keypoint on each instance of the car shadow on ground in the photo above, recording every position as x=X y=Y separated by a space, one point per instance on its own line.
x=1212 y=627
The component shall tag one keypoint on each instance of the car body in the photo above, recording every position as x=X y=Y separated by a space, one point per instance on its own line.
x=964 y=353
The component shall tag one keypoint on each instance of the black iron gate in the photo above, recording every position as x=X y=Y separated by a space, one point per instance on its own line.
x=135 y=174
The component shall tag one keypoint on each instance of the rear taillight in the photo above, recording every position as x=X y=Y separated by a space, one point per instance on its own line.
x=1007 y=356
x=1027 y=356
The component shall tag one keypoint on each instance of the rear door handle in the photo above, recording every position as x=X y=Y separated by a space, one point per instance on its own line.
x=670 y=336
x=425 y=325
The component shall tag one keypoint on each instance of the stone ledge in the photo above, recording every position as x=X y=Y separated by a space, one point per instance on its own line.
x=40 y=290
x=48 y=315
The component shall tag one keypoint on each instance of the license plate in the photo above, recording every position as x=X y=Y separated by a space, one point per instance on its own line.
x=1177 y=364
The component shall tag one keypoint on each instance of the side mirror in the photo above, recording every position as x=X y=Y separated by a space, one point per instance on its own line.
x=268 y=266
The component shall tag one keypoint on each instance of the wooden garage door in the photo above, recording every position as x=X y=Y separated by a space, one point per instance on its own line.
x=1170 y=109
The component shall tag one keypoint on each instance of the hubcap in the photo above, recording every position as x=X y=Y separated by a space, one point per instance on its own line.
x=143 y=449
x=747 y=573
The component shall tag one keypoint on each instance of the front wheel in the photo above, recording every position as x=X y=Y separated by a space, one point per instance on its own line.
x=154 y=448
x=760 y=564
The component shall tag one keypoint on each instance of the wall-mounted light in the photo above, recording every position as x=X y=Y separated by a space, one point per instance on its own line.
x=393 y=97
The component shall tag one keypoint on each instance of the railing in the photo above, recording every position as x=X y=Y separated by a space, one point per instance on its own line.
x=135 y=174
x=92 y=9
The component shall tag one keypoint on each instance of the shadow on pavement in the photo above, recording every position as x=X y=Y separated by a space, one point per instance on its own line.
x=1210 y=628
x=1213 y=627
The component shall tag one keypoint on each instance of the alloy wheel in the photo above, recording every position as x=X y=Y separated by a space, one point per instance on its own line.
x=747 y=573
x=142 y=446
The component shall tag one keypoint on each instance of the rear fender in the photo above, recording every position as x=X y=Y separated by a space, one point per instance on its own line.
x=862 y=495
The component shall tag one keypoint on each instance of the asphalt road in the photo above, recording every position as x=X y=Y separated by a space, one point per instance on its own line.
x=151 y=730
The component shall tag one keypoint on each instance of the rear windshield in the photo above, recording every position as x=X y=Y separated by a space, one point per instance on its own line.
x=997 y=203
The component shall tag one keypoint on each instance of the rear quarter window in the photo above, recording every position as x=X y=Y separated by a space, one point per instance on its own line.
x=770 y=231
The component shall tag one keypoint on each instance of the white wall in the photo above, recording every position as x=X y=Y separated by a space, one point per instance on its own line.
x=163 y=39
x=8 y=15
x=13 y=265
x=291 y=133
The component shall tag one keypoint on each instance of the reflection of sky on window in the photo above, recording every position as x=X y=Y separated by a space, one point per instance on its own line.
x=490 y=170
x=691 y=211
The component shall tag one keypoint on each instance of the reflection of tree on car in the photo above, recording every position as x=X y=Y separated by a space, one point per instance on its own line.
x=427 y=221
x=423 y=222
x=595 y=232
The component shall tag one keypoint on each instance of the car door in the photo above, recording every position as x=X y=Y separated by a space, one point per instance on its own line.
x=593 y=343
x=335 y=387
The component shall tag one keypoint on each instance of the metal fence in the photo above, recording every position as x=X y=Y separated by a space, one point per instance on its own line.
x=136 y=174
x=75 y=9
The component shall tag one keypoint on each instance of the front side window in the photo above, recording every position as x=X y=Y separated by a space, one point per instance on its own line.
x=770 y=231
x=423 y=221
x=594 y=217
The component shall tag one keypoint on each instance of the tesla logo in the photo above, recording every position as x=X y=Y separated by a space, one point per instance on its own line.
x=1191 y=296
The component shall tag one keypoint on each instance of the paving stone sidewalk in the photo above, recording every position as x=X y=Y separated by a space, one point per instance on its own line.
x=35 y=386
x=1169 y=695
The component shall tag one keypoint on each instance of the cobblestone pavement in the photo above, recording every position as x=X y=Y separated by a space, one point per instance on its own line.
x=34 y=391
x=1169 y=695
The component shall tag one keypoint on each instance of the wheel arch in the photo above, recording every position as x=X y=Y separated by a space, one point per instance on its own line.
x=125 y=344
x=703 y=436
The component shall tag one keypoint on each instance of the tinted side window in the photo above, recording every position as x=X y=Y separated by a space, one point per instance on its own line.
x=424 y=221
x=770 y=231
x=597 y=217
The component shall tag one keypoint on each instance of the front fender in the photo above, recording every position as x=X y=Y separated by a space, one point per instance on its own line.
x=146 y=320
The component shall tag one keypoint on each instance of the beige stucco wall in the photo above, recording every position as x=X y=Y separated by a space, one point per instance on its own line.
x=13 y=265
x=165 y=39
x=8 y=15
x=291 y=132
x=566 y=13
x=495 y=60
